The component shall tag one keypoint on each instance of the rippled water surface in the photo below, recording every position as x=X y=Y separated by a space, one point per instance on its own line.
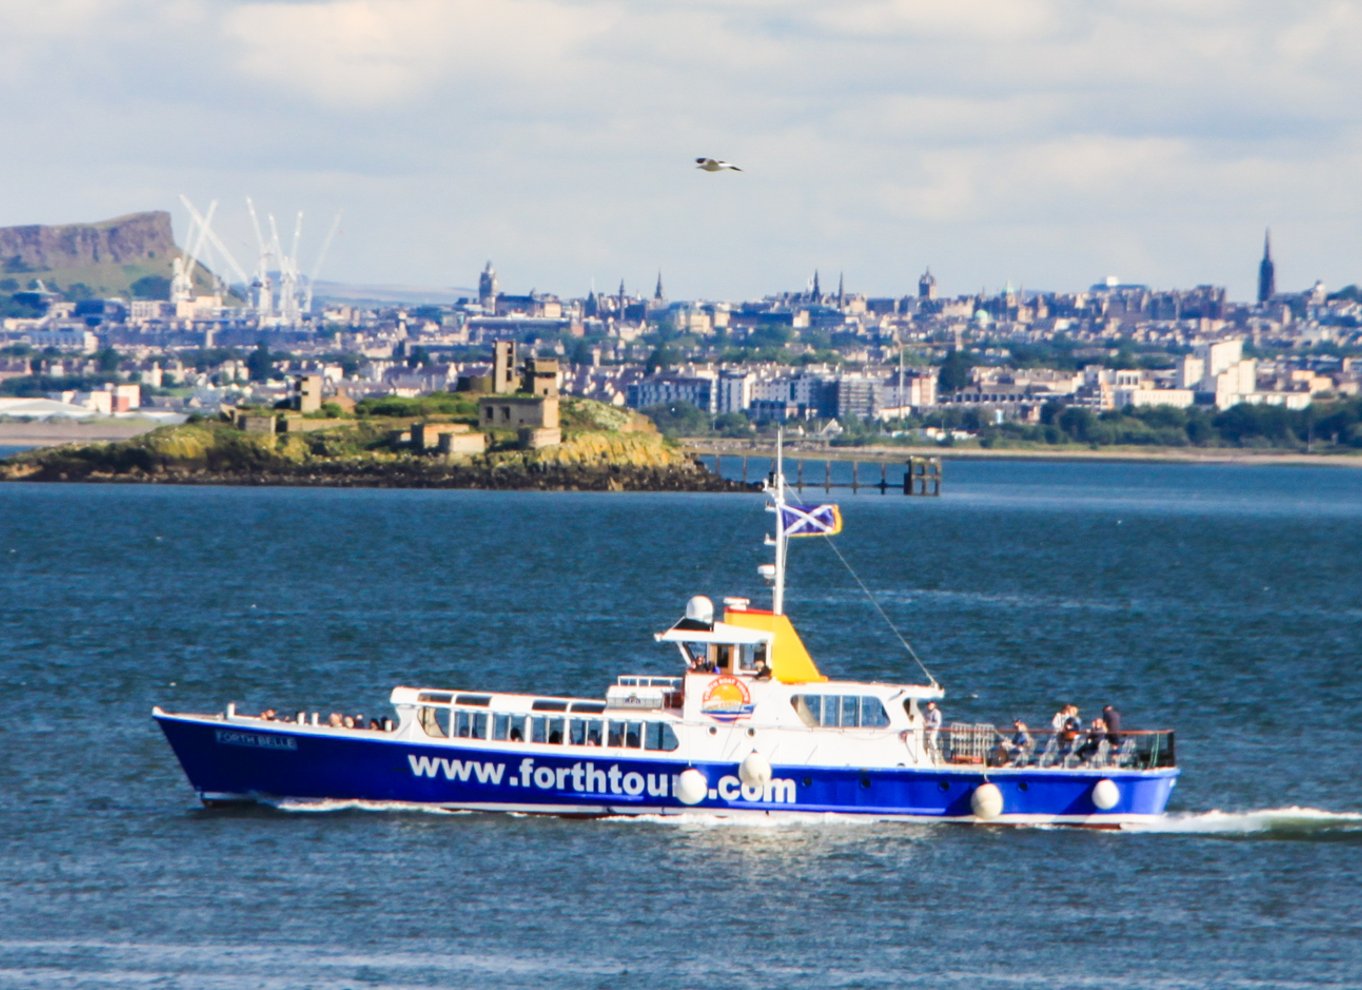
x=1222 y=601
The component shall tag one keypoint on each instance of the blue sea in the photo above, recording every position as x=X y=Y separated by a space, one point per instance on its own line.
x=1222 y=601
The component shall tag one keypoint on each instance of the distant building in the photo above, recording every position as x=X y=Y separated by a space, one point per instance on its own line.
x=487 y=288
x=1267 y=271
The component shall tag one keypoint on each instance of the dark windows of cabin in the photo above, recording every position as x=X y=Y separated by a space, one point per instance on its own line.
x=844 y=711
x=551 y=730
x=734 y=658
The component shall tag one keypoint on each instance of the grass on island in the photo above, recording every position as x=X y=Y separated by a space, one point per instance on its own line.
x=593 y=434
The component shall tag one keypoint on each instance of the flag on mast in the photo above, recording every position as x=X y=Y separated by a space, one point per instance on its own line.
x=810 y=520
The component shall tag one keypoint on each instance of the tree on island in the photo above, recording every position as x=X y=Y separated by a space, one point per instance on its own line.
x=259 y=364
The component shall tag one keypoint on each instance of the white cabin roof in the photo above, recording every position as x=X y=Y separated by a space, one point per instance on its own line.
x=721 y=632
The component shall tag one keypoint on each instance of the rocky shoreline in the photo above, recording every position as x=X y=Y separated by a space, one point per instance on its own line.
x=603 y=478
x=218 y=455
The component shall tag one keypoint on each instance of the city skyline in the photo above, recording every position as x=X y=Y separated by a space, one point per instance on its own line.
x=1043 y=144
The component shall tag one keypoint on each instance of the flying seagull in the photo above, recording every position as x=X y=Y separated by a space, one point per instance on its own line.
x=714 y=165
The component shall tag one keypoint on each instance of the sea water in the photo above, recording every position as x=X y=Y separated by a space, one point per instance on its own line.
x=1220 y=601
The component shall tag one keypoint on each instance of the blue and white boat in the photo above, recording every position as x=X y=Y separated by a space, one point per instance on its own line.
x=749 y=726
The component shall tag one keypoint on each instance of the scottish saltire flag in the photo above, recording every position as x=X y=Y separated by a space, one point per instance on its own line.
x=811 y=520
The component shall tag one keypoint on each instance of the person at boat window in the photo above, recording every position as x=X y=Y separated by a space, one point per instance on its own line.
x=763 y=672
x=932 y=721
x=1112 y=717
x=1092 y=744
x=516 y=736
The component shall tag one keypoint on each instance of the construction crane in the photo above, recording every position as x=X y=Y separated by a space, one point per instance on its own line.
x=216 y=242
x=184 y=266
x=317 y=265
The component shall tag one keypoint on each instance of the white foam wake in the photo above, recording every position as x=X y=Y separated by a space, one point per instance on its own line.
x=1281 y=821
x=326 y=805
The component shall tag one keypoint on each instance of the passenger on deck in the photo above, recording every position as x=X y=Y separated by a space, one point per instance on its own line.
x=1092 y=745
x=376 y=725
x=1112 y=717
x=268 y=715
x=1015 y=749
x=334 y=720
x=932 y=721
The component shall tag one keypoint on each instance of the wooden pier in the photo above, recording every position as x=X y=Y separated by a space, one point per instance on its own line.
x=921 y=474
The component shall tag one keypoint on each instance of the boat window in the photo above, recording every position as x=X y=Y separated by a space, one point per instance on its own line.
x=615 y=735
x=577 y=731
x=508 y=727
x=587 y=706
x=470 y=725
x=749 y=655
x=660 y=735
x=851 y=710
x=547 y=705
x=439 y=697
x=847 y=711
x=473 y=699
x=806 y=712
x=435 y=721
x=633 y=734
x=546 y=730
x=873 y=715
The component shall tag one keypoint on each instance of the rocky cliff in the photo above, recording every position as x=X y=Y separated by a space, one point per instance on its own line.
x=136 y=239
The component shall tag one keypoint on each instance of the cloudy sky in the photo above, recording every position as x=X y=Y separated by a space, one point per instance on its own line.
x=1046 y=143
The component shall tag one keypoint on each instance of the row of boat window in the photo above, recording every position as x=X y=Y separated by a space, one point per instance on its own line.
x=444 y=723
x=846 y=711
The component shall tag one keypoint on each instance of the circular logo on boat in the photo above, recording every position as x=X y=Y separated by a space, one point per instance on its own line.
x=726 y=699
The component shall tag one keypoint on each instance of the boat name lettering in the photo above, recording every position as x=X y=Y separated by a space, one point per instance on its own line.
x=588 y=778
x=255 y=740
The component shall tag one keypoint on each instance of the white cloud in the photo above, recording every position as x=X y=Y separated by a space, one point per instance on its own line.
x=555 y=135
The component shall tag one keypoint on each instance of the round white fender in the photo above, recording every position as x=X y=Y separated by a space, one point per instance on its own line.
x=1105 y=794
x=986 y=802
x=691 y=786
x=755 y=770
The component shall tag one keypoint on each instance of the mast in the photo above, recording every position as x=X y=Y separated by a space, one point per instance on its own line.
x=777 y=492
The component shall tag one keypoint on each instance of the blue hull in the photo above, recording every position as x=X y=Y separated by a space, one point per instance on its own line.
x=229 y=761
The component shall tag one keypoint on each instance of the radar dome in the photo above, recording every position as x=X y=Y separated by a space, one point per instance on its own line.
x=700 y=609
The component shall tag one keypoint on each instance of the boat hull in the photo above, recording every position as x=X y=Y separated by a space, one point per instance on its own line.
x=229 y=761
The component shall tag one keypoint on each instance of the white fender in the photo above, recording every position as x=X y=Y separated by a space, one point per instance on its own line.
x=755 y=770
x=691 y=786
x=986 y=802
x=1105 y=794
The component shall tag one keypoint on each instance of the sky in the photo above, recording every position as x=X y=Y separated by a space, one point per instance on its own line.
x=1046 y=144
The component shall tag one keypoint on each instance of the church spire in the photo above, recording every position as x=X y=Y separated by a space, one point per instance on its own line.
x=1267 y=271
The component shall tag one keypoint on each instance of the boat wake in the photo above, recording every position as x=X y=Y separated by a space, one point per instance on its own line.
x=1276 y=823
x=329 y=806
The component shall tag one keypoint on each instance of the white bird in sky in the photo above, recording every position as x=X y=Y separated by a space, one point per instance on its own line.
x=715 y=165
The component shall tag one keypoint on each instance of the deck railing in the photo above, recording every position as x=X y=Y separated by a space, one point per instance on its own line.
x=983 y=744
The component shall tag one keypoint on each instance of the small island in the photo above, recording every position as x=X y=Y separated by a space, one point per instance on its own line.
x=504 y=435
